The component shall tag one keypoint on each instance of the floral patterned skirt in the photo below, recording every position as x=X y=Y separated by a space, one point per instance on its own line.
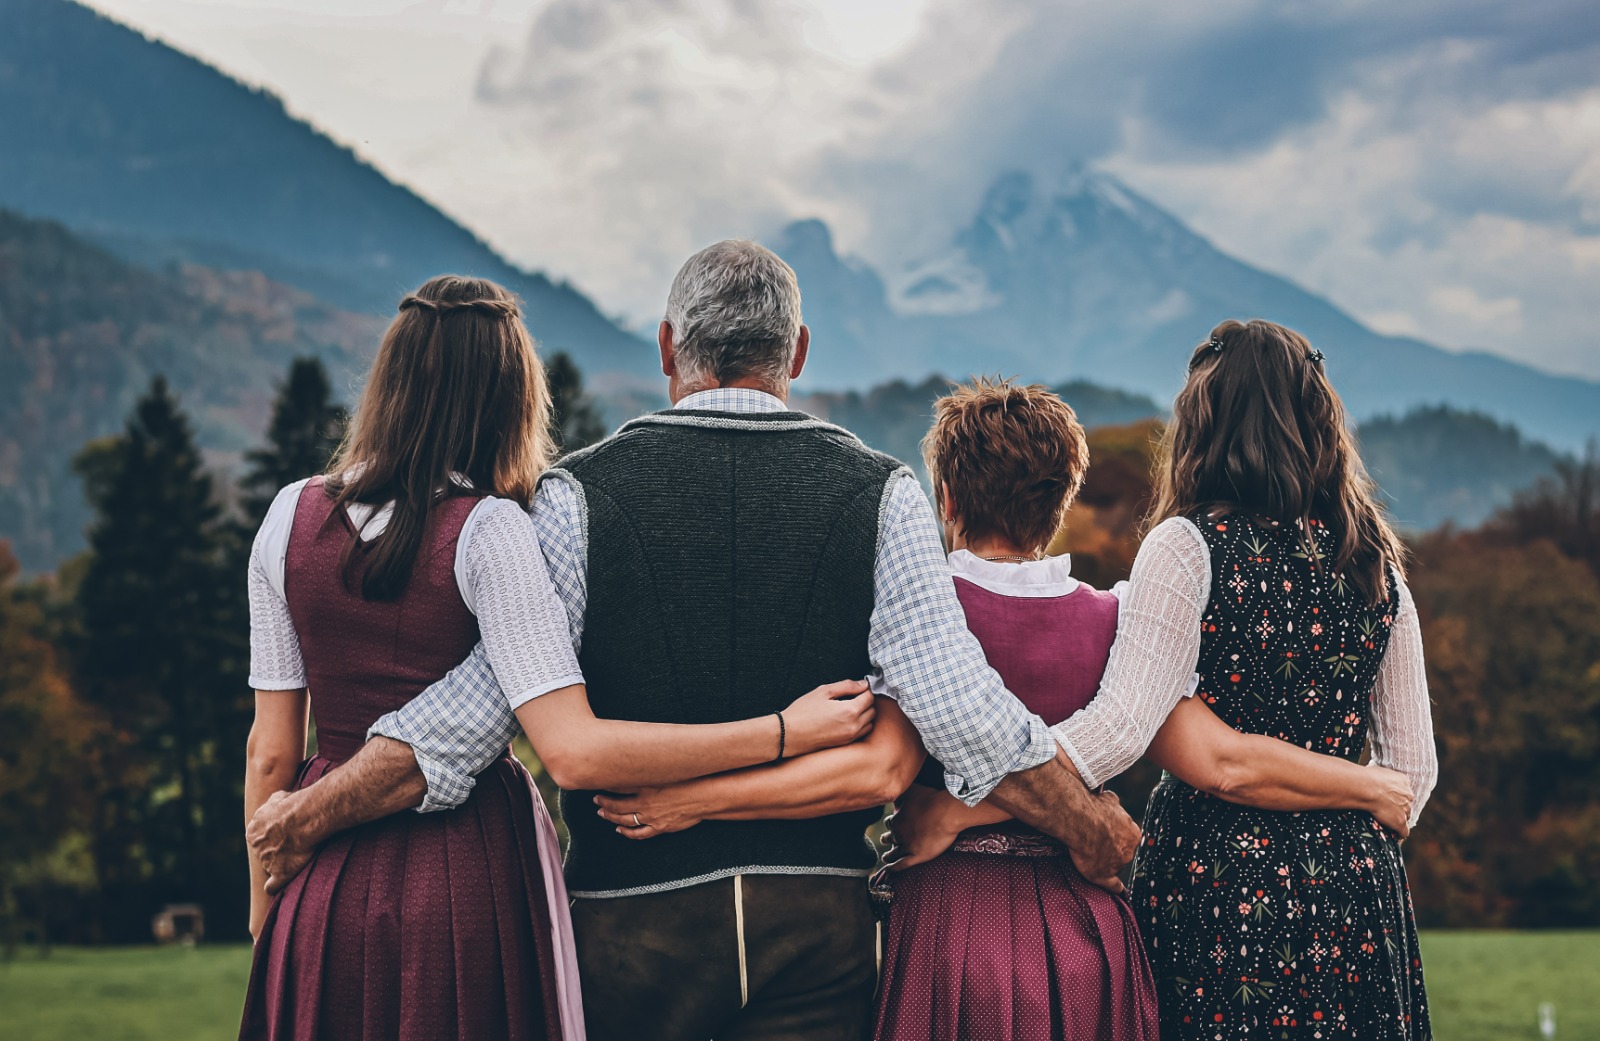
x=1276 y=925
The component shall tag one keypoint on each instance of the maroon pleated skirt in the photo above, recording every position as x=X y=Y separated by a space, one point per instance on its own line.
x=418 y=927
x=1011 y=945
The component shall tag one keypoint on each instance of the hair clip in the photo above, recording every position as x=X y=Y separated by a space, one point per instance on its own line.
x=1216 y=345
x=1315 y=356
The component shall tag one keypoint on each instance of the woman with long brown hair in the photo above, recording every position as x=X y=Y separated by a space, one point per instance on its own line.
x=1272 y=588
x=367 y=585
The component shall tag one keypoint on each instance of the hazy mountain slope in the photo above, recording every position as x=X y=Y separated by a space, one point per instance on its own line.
x=1438 y=465
x=162 y=157
x=1434 y=465
x=81 y=334
x=892 y=417
x=1087 y=280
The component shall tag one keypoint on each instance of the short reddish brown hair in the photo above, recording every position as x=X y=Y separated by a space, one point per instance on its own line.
x=1012 y=459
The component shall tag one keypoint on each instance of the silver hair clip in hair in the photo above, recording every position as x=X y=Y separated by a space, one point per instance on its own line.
x=1216 y=345
x=1315 y=356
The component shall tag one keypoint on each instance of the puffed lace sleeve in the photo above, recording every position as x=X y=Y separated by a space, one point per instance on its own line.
x=1153 y=659
x=1402 y=716
x=523 y=623
x=275 y=661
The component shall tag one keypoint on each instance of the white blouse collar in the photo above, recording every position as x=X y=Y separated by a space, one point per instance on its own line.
x=1049 y=577
x=371 y=521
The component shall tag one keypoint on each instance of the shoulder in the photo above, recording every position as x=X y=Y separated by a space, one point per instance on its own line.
x=574 y=462
x=279 y=520
x=496 y=529
x=1179 y=536
x=492 y=516
x=288 y=497
x=902 y=498
x=1175 y=555
x=1099 y=598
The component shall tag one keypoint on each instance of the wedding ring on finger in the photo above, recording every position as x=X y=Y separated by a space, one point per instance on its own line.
x=637 y=823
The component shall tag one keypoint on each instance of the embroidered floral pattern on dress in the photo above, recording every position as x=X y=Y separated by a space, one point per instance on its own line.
x=1009 y=844
x=1262 y=924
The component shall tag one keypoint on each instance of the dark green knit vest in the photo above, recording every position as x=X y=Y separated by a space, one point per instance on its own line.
x=730 y=570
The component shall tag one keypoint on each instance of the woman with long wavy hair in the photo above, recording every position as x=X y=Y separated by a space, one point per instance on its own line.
x=1272 y=587
x=367 y=585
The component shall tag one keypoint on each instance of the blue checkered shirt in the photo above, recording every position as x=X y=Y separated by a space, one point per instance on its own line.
x=923 y=655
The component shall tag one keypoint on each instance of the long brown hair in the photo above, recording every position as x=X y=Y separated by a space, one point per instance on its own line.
x=456 y=391
x=1259 y=430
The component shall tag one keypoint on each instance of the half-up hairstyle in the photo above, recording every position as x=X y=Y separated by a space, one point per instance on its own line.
x=456 y=404
x=1259 y=430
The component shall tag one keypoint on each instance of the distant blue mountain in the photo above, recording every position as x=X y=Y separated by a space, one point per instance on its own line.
x=1085 y=279
x=161 y=158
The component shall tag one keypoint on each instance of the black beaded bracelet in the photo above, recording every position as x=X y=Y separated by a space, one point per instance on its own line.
x=783 y=735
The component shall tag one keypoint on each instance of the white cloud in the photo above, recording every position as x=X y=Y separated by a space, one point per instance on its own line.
x=1434 y=167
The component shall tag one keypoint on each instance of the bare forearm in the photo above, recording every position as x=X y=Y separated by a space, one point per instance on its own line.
x=259 y=785
x=1052 y=798
x=1204 y=752
x=381 y=779
x=960 y=816
x=837 y=780
x=858 y=776
x=621 y=755
x=1276 y=775
x=582 y=751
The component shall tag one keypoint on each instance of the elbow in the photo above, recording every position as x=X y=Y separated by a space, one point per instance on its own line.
x=888 y=782
x=574 y=767
x=887 y=776
x=570 y=771
x=272 y=760
x=1230 y=779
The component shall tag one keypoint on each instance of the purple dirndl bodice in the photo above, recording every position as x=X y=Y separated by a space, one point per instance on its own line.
x=417 y=926
x=1000 y=939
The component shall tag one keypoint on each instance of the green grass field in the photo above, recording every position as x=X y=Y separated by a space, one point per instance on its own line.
x=1483 y=986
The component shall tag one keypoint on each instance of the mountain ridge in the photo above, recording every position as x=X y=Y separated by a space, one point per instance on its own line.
x=82 y=333
x=163 y=158
x=1088 y=279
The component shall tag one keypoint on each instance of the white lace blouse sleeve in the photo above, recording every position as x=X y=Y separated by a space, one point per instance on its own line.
x=1402 y=716
x=507 y=585
x=275 y=662
x=1153 y=659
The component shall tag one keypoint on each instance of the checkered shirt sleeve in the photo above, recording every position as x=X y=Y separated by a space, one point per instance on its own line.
x=458 y=726
x=932 y=664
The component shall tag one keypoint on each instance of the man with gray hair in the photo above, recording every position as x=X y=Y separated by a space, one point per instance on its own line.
x=716 y=560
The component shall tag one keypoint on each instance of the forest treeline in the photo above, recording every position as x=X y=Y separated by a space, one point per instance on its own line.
x=124 y=703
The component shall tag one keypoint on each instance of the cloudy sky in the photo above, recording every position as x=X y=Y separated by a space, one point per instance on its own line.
x=1433 y=167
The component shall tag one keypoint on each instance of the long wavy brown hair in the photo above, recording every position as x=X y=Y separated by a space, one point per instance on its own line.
x=1259 y=430
x=456 y=404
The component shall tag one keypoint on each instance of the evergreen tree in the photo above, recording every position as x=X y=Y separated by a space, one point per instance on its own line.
x=577 y=417
x=162 y=657
x=306 y=428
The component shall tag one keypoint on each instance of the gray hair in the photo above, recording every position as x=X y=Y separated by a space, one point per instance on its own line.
x=735 y=314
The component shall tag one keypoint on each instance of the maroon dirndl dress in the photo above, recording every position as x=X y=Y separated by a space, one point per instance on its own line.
x=1000 y=939
x=421 y=926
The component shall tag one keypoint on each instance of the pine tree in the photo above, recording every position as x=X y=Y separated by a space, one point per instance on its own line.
x=305 y=430
x=162 y=657
x=577 y=417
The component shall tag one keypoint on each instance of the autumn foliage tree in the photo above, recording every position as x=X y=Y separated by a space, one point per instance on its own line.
x=44 y=771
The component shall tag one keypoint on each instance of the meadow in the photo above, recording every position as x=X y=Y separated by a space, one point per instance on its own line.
x=1483 y=985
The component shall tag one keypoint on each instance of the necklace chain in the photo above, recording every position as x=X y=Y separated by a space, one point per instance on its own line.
x=1013 y=557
